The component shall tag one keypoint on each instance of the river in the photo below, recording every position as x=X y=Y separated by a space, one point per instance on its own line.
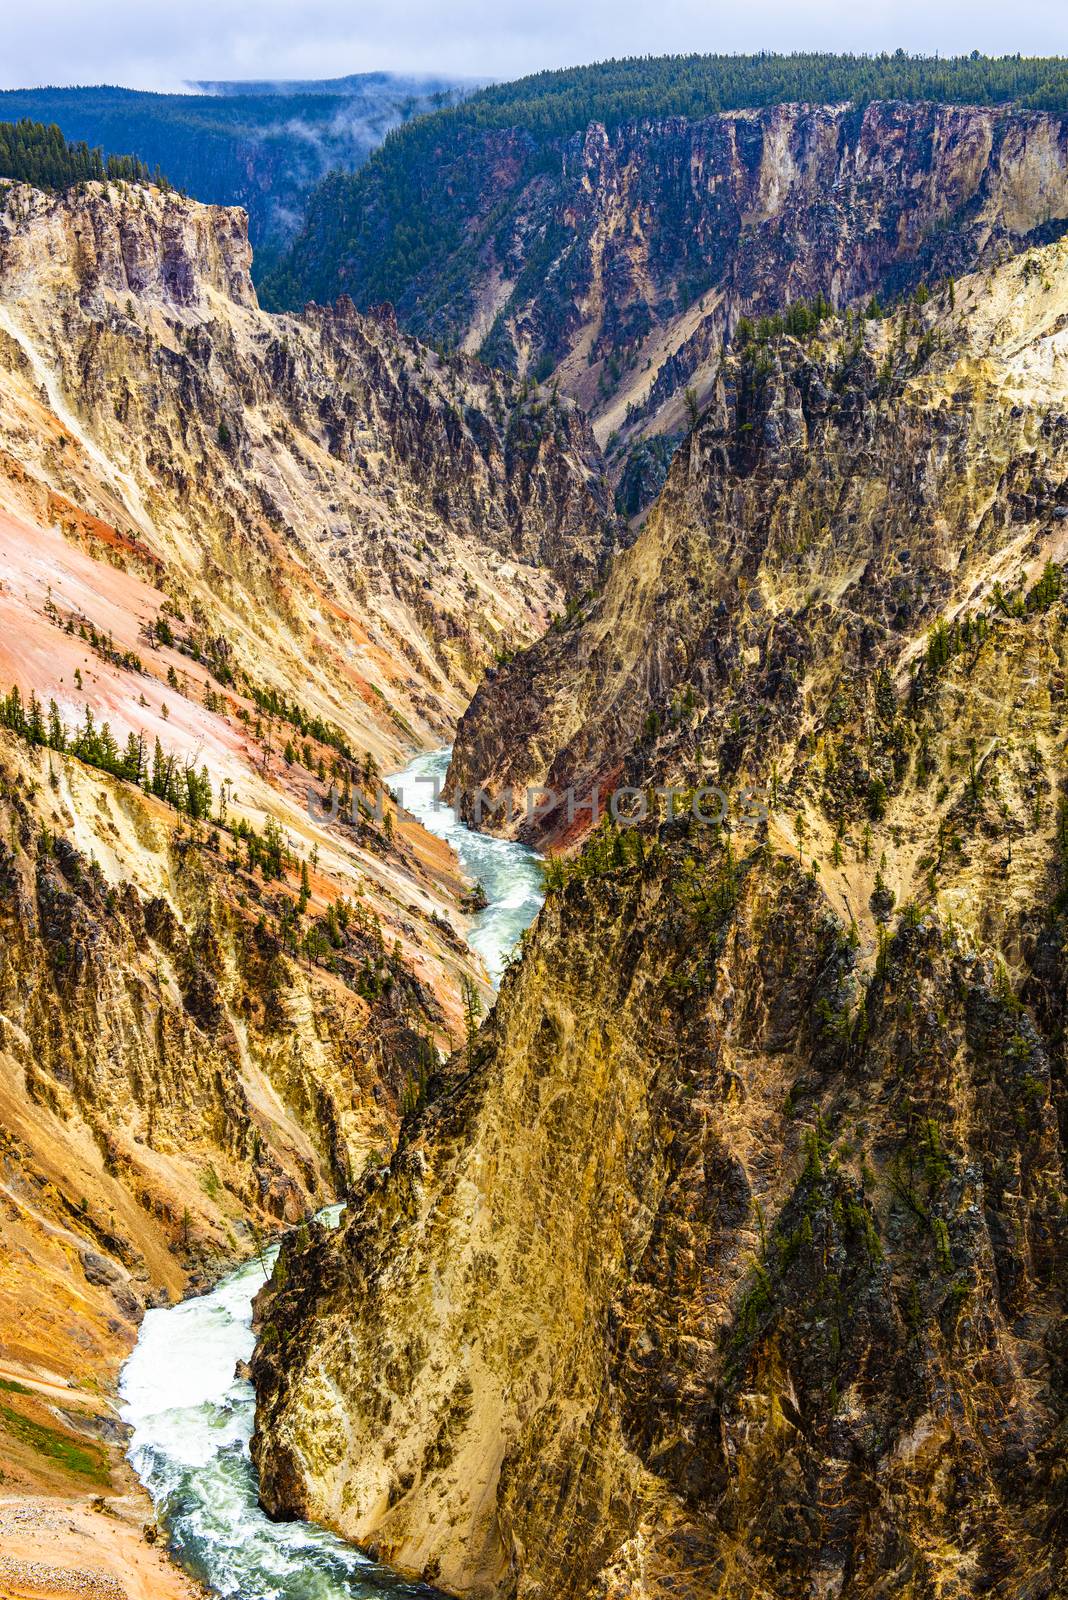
x=509 y=873
x=192 y=1417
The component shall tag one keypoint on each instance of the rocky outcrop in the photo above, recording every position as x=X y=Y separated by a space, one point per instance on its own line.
x=837 y=498
x=728 y=1260
x=108 y=239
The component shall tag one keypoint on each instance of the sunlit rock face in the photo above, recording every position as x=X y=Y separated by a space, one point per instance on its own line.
x=324 y=462
x=723 y=1271
x=272 y=554
x=728 y=1258
x=839 y=495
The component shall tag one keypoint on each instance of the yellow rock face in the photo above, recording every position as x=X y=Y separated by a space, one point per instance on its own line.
x=729 y=1263
x=278 y=551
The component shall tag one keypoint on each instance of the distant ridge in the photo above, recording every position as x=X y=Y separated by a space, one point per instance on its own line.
x=259 y=145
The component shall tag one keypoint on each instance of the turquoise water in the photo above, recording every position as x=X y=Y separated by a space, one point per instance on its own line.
x=509 y=873
x=192 y=1417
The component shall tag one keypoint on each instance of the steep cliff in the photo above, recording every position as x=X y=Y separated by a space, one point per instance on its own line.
x=838 y=499
x=241 y=558
x=729 y=1259
x=620 y=253
x=324 y=471
x=720 y=1272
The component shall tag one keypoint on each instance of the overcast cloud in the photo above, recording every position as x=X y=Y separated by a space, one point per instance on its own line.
x=150 y=45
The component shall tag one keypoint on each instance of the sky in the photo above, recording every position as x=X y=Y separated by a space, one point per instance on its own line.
x=152 y=45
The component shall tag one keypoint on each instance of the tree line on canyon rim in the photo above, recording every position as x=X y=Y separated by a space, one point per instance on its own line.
x=416 y=225
x=36 y=153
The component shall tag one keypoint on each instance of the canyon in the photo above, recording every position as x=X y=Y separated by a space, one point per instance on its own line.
x=245 y=559
x=839 y=497
x=728 y=1259
x=710 y=1243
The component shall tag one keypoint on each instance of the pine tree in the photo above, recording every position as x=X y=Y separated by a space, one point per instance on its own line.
x=35 y=723
x=472 y=1004
x=11 y=712
x=57 y=733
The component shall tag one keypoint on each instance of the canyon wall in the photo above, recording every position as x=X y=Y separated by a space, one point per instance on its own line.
x=838 y=498
x=620 y=257
x=241 y=558
x=728 y=1259
x=722 y=1271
